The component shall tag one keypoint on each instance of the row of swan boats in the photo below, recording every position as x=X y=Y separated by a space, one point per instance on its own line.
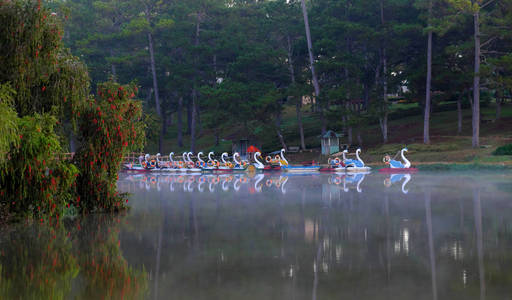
x=190 y=163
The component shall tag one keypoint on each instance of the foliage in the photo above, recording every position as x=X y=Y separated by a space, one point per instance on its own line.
x=8 y=122
x=110 y=126
x=102 y=264
x=34 y=179
x=503 y=150
x=46 y=77
x=44 y=261
x=37 y=264
x=241 y=55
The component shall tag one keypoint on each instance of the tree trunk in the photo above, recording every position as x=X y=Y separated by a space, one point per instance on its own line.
x=384 y=118
x=383 y=122
x=194 y=104
x=155 y=82
x=193 y=122
x=476 y=84
x=180 y=122
x=426 y=119
x=499 y=100
x=153 y=73
x=298 y=101
x=366 y=96
x=459 y=114
x=112 y=66
x=189 y=116
x=359 y=138
x=301 y=125
x=350 y=135
x=316 y=86
x=199 y=128
x=162 y=133
x=278 y=125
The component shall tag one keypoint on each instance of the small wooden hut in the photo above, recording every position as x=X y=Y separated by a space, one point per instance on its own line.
x=241 y=146
x=330 y=142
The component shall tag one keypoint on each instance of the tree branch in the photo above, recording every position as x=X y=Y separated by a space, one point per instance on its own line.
x=490 y=40
x=487 y=3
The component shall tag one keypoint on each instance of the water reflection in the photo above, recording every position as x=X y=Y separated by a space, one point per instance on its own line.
x=287 y=236
x=75 y=259
x=396 y=178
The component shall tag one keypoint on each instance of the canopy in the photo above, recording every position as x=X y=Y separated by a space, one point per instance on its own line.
x=252 y=149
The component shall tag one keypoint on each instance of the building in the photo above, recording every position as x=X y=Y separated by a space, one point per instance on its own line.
x=330 y=142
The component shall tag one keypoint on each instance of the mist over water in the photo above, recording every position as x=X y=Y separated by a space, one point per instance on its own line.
x=291 y=236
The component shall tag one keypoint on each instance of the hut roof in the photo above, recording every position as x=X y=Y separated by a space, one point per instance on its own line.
x=331 y=134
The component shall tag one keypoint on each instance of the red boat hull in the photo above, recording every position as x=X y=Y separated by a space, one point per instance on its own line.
x=398 y=170
x=271 y=168
x=327 y=170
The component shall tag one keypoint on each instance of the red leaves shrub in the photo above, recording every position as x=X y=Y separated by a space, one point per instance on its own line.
x=110 y=126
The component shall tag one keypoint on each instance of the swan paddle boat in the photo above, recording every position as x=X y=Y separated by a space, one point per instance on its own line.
x=396 y=166
x=211 y=165
x=355 y=165
x=285 y=166
x=148 y=163
x=258 y=165
x=239 y=165
x=192 y=166
x=173 y=167
x=200 y=163
x=136 y=167
x=225 y=166
x=335 y=165
x=273 y=164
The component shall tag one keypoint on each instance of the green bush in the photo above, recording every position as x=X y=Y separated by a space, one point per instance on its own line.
x=503 y=150
x=34 y=180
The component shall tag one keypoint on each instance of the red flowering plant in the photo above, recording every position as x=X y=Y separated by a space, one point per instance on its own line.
x=109 y=127
x=34 y=180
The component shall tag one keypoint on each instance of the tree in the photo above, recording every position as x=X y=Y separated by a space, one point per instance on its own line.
x=474 y=7
x=314 y=78
x=110 y=126
x=428 y=94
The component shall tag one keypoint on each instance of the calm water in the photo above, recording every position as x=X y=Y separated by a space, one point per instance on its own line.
x=425 y=236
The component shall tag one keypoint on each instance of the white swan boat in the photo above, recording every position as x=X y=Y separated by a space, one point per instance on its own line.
x=285 y=166
x=356 y=166
x=396 y=166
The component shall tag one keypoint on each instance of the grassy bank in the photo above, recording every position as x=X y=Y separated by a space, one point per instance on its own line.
x=447 y=146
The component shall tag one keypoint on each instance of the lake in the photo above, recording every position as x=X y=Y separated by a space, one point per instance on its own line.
x=276 y=236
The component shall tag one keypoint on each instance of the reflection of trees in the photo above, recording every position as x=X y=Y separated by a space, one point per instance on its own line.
x=43 y=261
x=320 y=241
x=36 y=262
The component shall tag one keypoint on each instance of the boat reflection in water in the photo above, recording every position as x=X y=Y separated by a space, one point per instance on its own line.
x=396 y=178
x=277 y=236
x=252 y=183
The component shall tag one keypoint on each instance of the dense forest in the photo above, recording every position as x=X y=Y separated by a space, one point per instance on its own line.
x=230 y=67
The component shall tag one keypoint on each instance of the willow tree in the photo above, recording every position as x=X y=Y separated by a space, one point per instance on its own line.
x=45 y=76
x=8 y=122
x=47 y=87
